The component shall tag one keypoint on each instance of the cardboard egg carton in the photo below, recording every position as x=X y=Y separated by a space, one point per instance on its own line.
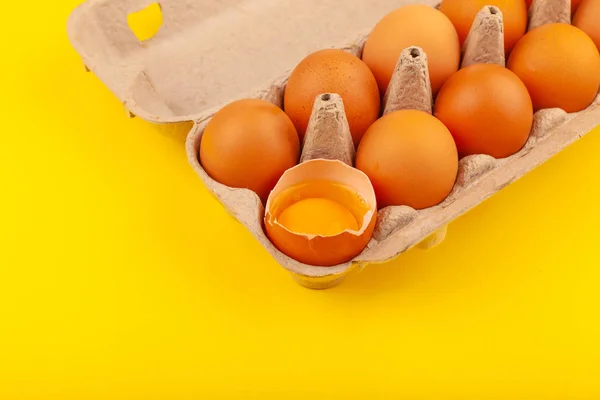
x=208 y=53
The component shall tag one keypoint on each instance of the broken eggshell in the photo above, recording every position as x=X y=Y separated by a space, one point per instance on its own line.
x=325 y=172
x=318 y=179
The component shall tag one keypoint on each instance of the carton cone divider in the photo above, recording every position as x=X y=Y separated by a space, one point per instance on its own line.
x=544 y=121
x=410 y=86
x=328 y=133
x=544 y=12
x=485 y=42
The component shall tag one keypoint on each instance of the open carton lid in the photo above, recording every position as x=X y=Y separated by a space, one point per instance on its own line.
x=210 y=52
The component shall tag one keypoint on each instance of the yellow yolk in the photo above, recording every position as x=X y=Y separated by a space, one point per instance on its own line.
x=318 y=216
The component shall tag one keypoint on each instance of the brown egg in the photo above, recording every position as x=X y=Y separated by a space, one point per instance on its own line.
x=249 y=144
x=462 y=13
x=413 y=25
x=560 y=66
x=487 y=109
x=587 y=19
x=411 y=159
x=333 y=71
x=321 y=212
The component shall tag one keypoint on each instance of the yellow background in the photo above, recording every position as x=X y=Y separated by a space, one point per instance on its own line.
x=122 y=278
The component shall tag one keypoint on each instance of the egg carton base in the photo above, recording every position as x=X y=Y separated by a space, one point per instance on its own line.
x=186 y=73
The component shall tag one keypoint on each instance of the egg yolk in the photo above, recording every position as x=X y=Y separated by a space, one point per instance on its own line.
x=318 y=216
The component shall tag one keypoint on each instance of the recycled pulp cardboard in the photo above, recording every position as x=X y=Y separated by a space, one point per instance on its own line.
x=208 y=53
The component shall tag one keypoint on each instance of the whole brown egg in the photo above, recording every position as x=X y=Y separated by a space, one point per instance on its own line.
x=333 y=71
x=560 y=65
x=249 y=144
x=413 y=25
x=463 y=13
x=411 y=159
x=487 y=109
x=586 y=19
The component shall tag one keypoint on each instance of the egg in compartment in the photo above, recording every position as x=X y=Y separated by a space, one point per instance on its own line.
x=249 y=144
x=560 y=66
x=587 y=19
x=322 y=213
x=333 y=71
x=462 y=13
x=413 y=25
x=487 y=109
x=410 y=158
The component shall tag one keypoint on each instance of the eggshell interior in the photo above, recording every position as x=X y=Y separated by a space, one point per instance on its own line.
x=329 y=170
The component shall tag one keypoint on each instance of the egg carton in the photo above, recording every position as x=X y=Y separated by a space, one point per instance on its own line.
x=210 y=52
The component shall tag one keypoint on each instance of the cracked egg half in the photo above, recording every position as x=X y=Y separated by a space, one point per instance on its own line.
x=321 y=213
